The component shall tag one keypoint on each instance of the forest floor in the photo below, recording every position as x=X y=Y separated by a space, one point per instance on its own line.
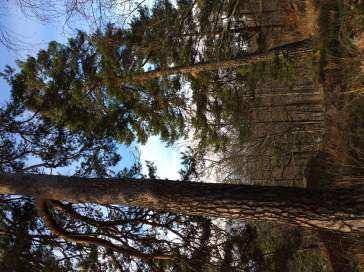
x=340 y=69
x=340 y=43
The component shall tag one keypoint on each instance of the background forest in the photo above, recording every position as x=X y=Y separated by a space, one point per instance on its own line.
x=257 y=92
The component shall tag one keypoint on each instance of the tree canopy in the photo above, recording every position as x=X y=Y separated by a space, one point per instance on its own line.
x=207 y=66
x=101 y=84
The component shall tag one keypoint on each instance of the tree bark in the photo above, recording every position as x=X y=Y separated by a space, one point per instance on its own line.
x=340 y=209
x=296 y=48
x=254 y=28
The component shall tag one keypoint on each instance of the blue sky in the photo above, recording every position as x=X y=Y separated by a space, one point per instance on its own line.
x=36 y=35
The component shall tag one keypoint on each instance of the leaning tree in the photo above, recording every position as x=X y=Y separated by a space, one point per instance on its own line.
x=81 y=233
x=336 y=209
x=97 y=86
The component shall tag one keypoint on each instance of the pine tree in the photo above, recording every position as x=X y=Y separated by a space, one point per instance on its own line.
x=99 y=83
x=29 y=143
x=336 y=209
x=83 y=87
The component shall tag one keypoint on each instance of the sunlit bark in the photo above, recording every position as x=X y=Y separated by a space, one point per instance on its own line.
x=334 y=209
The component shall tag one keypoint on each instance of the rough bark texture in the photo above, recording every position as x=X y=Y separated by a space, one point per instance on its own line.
x=339 y=209
x=295 y=48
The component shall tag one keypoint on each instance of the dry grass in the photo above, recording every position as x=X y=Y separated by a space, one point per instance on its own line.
x=341 y=46
x=302 y=16
x=359 y=43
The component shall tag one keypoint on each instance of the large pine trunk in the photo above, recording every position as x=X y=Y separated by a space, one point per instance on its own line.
x=292 y=49
x=334 y=209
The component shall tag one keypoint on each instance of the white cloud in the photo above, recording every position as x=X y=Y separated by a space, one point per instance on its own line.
x=166 y=159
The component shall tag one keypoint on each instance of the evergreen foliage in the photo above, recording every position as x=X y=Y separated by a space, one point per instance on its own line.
x=83 y=86
x=29 y=143
x=22 y=249
x=90 y=84
x=74 y=102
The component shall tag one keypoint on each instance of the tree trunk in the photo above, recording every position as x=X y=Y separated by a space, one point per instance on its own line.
x=254 y=28
x=296 y=48
x=340 y=209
